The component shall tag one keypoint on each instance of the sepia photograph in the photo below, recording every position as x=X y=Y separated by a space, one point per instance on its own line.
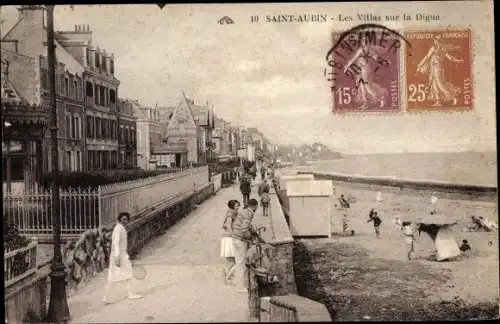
x=249 y=162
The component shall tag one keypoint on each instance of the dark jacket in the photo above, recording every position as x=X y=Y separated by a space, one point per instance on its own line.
x=245 y=187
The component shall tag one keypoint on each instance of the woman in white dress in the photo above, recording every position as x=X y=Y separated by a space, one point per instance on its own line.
x=120 y=267
x=226 y=250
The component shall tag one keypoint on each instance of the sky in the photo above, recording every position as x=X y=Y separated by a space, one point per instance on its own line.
x=270 y=75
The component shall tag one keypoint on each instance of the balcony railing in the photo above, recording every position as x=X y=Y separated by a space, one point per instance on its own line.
x=21 y=112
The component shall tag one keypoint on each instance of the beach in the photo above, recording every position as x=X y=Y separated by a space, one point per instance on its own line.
x=365 y=278
x=362 y=278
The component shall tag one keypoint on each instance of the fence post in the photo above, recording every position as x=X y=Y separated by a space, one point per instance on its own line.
x=99 y=207
x=35 y=241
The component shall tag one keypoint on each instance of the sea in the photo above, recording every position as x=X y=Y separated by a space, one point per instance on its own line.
x=470 y=168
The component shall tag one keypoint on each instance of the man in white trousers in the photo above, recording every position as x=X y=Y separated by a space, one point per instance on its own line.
x=243 y=231
x=120 y=267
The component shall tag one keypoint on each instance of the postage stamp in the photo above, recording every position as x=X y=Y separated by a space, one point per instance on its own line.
x=438 y=70
x=365 y=73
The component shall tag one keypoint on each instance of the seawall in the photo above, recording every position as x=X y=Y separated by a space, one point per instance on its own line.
x=450 y=187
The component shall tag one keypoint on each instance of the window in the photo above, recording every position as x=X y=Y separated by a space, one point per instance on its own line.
x=112 y=96
x=17 y=168
x=101 y=96
x=44 y=78
x=88 y=126
x=73 y=127
x=75 y=90
x=103 y=128
x=112 y=66
x=98 y=60
x=60 y=84
x=68 y=160
x=78 y=161
x=104 y=65
x=89 y=89
x=66 y=87
x=96 y=91
x=68 y=127
x=90 y=162
x=78 y=128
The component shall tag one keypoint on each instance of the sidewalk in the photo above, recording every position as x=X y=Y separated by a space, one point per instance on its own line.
x=186 y=287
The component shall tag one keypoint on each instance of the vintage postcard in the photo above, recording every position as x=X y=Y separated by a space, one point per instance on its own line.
x=249 y=162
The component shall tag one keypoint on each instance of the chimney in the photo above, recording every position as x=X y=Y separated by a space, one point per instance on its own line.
x=35 y=14
x=91 y=56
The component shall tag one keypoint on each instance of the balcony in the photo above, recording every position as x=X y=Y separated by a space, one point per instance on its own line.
x=23 y=113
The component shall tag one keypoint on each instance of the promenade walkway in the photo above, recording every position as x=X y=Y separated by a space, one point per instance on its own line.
x=186 y=287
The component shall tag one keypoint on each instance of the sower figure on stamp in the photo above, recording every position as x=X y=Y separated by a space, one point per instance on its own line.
x=368 y=91
x=438 y=88
x=120 y=267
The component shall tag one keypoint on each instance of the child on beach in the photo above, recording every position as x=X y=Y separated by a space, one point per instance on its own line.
x=227 y=241
x=346 y=226
x=409 y=232
x=465 y=246
x=264 y=200
x=373 y=216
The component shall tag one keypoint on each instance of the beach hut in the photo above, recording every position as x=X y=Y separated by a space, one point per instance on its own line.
x=438 y=227
x=310 y=205
x=284 y=179
x=294 y=177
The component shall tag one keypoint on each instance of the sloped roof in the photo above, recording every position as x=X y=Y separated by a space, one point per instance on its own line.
x=63 y=56
x=10 y=94
x=166 y=112
x=200 y=114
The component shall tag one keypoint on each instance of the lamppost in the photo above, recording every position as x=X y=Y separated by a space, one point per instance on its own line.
x=58 y=305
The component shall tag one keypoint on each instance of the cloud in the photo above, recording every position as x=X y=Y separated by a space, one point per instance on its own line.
x=248 y=66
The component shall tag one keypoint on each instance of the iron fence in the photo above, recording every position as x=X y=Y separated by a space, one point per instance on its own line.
x=86 y=208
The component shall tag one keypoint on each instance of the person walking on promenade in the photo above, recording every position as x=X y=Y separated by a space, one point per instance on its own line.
x=265 y=198
x=226 y=248
x=263 y=185
x=243 y=232
x=246 y=189
x=373 y=216
x=120 y=267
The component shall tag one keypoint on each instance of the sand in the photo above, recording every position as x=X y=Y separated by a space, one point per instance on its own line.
x=365 y=278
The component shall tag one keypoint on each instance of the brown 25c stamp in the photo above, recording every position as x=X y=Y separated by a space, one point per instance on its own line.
x=438 y=70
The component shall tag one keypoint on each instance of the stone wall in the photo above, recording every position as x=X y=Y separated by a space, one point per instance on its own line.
x=274 y=298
